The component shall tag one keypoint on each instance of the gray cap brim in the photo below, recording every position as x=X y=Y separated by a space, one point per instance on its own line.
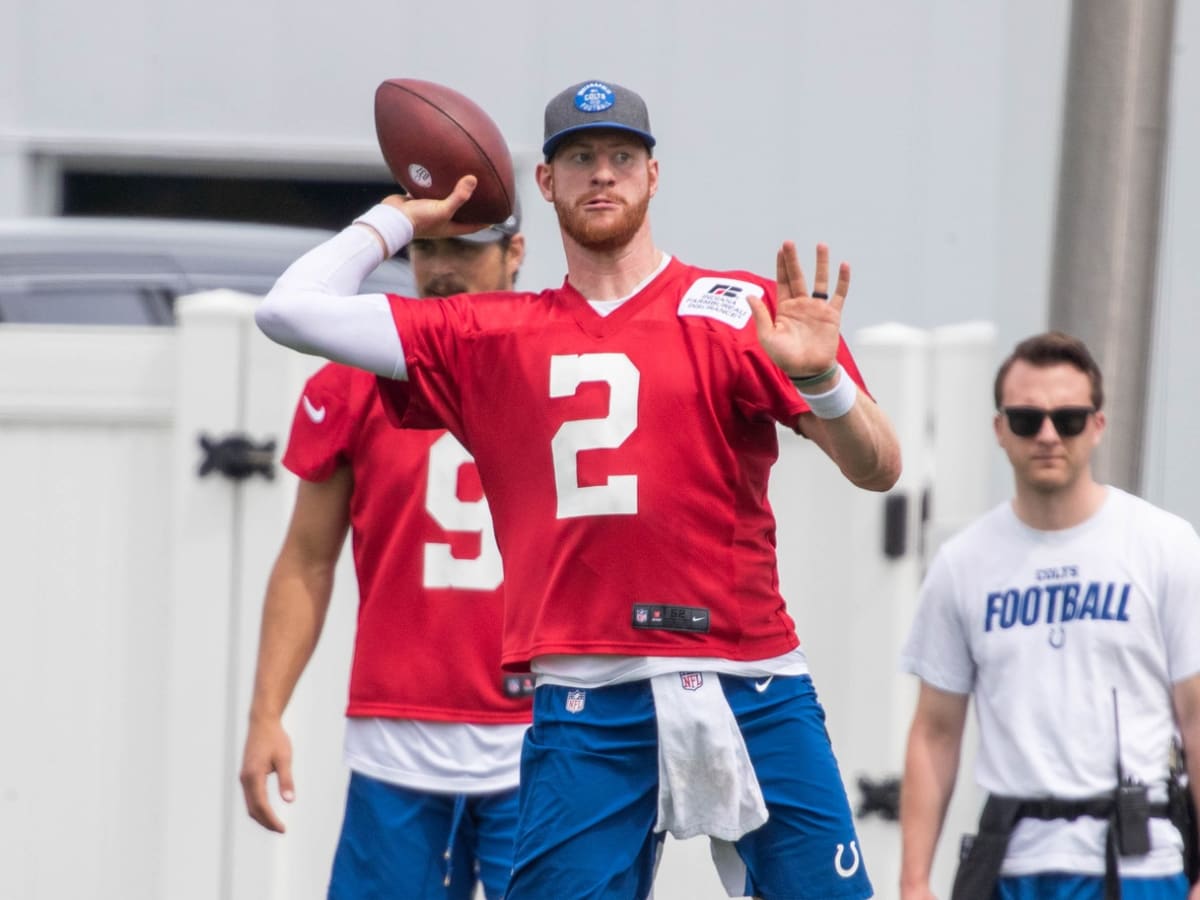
x=557 y=138
x=497 y=232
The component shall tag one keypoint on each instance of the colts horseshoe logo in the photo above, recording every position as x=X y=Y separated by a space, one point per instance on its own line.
x=846 y=871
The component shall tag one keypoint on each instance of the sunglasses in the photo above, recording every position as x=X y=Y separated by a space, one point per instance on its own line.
x=1026 y=421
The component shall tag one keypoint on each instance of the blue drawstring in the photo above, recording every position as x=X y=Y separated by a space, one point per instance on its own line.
x=460 y=808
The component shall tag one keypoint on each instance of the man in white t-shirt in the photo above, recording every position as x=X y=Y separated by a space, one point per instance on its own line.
x=1072 y=614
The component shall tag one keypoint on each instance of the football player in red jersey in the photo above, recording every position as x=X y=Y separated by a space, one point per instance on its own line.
x=624 y=426
x=433 y=741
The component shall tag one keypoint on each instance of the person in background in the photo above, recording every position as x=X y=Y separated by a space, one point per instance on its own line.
x=434 y=727
x=1072 y=614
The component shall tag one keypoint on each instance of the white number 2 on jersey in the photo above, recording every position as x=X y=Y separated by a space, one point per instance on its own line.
x=618 y=496
x=442 y=570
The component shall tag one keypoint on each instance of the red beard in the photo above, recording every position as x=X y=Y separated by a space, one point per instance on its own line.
x=606 y=236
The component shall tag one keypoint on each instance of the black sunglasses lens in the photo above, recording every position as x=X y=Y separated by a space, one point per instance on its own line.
x=1069 y=422
x=1025 y=422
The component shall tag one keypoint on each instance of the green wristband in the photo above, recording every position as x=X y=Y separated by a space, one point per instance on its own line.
x=805 y=381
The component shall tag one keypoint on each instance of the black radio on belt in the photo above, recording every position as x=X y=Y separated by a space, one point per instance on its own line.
x=1132 y=802
x=1133 y=818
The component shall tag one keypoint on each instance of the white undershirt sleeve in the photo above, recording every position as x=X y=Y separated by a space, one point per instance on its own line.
x=314 y=307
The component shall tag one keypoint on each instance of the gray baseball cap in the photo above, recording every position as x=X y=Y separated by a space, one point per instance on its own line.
x=595 y=104
x=493 y=233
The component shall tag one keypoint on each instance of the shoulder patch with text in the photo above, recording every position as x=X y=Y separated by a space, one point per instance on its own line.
x=723 y=299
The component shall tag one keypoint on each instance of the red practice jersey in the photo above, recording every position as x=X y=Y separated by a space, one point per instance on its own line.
x=625 y=459
x=429 y=574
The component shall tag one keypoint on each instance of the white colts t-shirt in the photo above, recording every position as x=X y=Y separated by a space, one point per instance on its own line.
x=1043 y=626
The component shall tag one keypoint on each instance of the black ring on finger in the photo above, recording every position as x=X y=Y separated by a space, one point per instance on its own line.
x=820 y=295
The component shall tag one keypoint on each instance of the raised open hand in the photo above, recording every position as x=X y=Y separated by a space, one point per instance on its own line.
x=802 y=338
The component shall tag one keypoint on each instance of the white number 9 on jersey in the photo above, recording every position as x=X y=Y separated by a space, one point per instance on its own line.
x=443 y=569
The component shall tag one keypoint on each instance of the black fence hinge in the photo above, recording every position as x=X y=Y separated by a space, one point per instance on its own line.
x=881 y=798
x=237 y=457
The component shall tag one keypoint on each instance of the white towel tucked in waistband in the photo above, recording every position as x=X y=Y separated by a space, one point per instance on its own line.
x=706 y=783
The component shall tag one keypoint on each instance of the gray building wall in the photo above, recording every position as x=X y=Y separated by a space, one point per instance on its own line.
x=1173 y=435
x=918 y=138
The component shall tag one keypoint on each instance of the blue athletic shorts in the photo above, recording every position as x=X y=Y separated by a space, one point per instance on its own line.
x=1062 y=886
x=394 y=842
x=589 y=796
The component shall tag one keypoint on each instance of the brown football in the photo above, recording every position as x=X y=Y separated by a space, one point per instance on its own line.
x=432 y=135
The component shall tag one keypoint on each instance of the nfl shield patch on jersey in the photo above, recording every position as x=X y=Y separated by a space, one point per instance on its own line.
x=575 y=701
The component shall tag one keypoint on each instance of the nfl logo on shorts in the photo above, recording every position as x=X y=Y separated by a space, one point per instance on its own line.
x=575 y=701
x=691 y=680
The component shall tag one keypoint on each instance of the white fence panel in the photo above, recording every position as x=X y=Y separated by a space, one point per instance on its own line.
x=201 y=758
x=85 y=436
x=962 y=460
x=295 y=865
x=232 y=381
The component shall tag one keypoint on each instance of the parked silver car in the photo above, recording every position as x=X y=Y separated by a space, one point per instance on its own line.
x=130 y=271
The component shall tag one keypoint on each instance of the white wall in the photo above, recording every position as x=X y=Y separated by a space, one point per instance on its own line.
x=1174 y=429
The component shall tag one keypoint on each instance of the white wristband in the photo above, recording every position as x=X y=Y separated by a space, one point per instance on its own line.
x=835 y=402
x=390 y=223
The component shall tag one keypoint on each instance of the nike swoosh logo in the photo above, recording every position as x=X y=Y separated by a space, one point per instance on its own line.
x=698 y=618
x=761 y=686
x=316 y=413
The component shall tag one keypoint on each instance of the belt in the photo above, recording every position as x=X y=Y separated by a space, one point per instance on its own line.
x=980 y=866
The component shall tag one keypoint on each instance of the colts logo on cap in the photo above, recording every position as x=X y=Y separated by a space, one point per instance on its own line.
x=593 y=97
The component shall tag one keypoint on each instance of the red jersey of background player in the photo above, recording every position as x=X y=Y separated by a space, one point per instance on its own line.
x=430 y=604
x=584 y=427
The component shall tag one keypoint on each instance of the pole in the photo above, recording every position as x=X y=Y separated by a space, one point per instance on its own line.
x=1109 y=207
